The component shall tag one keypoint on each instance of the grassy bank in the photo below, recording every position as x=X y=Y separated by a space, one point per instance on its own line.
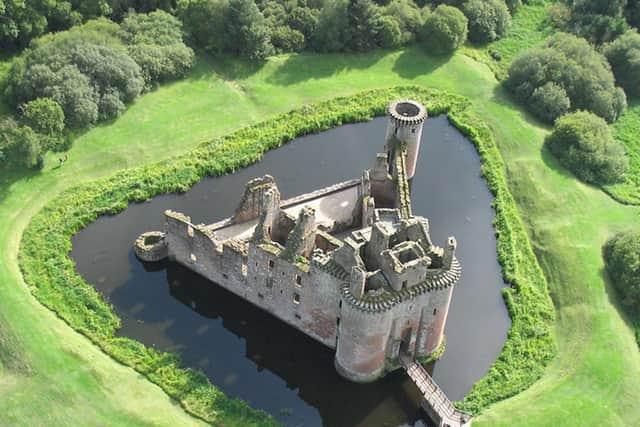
x=592 y=381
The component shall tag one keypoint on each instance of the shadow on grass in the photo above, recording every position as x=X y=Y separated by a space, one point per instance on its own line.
x=630 y=318
x=305 y=66
x=413 y=62
x=12 y=174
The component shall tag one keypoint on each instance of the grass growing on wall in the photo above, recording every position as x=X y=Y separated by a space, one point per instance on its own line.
x=49 y=271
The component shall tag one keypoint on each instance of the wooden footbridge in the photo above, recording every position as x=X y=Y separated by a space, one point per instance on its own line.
x=436 y=404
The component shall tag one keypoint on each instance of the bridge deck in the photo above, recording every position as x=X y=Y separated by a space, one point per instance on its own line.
x=434 y=401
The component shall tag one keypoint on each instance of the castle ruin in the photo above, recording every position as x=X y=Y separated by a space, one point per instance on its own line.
x=349 y=265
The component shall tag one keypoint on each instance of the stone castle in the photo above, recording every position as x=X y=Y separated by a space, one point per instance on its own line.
x=349 y=265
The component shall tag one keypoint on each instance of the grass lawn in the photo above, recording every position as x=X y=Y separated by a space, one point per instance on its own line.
x=627 y=131
x=51 y=375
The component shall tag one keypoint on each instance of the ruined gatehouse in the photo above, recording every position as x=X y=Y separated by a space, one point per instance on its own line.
x=349 y=265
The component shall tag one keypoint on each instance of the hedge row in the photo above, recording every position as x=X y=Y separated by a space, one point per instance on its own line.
x=47 y=268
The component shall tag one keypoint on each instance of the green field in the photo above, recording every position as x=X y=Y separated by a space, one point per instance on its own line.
x=51 y=375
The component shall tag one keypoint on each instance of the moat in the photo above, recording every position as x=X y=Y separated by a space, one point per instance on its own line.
x=253 y=356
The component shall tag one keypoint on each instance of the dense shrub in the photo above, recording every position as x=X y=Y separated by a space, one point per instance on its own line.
x=573 y=65
x=332 y=33
x=155 y=43
x=45 y=116
x=444 y=30
x=597 y=20
x=204 y=23
x=622 y=260
x=624 y=56
x=232 y=26
x=363 y=25
x=632 y=13
x=246 y=31
x=583 y=143
x=286 y=39
x=390 y=34
x=19 y=145
x=488 y=19
x=305 y=20
x=549 y=101
x=76 y=74
x=408 y=16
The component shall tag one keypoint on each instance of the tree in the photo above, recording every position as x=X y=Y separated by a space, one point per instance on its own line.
x=246 y=31
x=286 y=39
x=572 y=64
x=632 y=13
x=75 y=69
x=408 y=16
x=364 y=25
x=583 y=143
x=305 y=20
x=622 y=261
x=45 y=116
x=390 y=35
x=156 y=45
x=204 y=23
x=331 y=33
x=624 y=56
x=598 y=20
x=488 y=19
x=444 y=30
x=549 y=102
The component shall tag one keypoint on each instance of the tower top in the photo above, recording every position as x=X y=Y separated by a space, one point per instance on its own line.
x=407 y=112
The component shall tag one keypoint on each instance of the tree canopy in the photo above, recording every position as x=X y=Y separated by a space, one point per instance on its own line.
x=572 y=65
x=624 y=56
x=583 y=143
x=444 y=30
x=622 y=260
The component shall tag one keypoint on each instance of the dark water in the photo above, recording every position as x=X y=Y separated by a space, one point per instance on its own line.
x=253 y=356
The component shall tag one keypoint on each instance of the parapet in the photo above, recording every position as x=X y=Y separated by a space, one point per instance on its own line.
x=407 y=112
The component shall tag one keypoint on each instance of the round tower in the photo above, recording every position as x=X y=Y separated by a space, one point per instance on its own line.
x=406 y=118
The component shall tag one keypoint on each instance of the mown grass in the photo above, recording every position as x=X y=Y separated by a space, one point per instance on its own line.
x=627 y=131
x=592 y=381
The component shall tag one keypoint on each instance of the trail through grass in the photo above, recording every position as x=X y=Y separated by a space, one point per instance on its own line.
x=595 y=379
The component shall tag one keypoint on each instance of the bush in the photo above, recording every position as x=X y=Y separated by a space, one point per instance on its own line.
x=549 y=101
x=390 y=35
x=597 y=20
x=583 y=143
x=45 y=116
x=573 y=65
x=75 y=71
x=622 y=261
x=444 y=30
x=155 y=42
x=488 y=19
x=408 y=16
x=331 y=33
x=246 y=32
x=305 y=20
x=364 y=25
x=624 y=56
x=286 y=39
x=204 y=23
